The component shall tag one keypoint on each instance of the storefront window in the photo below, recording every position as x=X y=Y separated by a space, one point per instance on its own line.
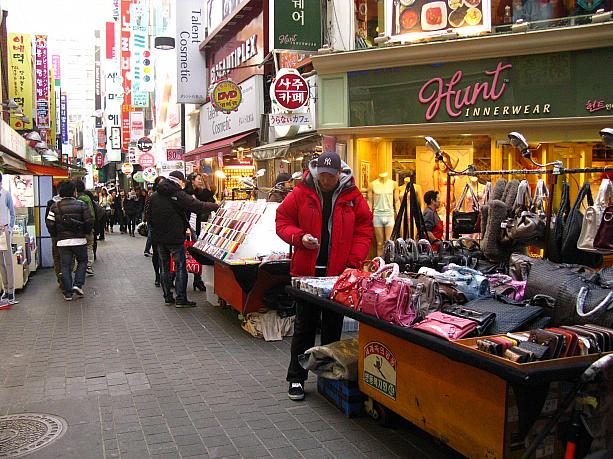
x=368 y=22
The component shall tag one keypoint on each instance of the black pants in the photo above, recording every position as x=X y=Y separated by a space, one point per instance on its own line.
x=132 y=223
x=156 y=262
x=305 y=329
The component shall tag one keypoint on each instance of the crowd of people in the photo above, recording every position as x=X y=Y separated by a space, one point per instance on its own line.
x=78 y=218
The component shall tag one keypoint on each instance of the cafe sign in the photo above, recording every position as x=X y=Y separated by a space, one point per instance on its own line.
x=290 y=90
x=545 y=86
x=226 y=96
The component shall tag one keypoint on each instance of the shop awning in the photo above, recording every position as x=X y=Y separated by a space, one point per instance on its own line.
x=282 y=148
x=64 y=171
x=13 y=164
x=211 y=149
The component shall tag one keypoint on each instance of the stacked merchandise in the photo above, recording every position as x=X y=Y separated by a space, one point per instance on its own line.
x=227 y=230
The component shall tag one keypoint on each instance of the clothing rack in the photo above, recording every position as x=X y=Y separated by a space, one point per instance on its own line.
x=553 y=176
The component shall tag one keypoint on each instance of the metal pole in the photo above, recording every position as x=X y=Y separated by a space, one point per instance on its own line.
x=183 y=147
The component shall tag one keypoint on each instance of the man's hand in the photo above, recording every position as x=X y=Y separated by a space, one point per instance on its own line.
x=310 y=242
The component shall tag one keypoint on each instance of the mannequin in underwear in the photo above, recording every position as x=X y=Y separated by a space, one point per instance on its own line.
x=440 y=181
x=384 y=202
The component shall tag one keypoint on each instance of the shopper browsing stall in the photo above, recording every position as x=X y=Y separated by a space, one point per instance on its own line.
x=433 y=223
x=329 y=224
x=166 y=214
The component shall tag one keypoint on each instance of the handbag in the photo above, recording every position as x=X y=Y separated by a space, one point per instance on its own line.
x=603 y=241
x=510 y=315
x=572 y=230
x=388 y=297
x=346 y=290
x=556 y=233
x=484 y=319
x=592 y=220
x=430 y=299
x=191 y=265
x=470 y=282
x=466 y=222
x=446 y=326
x=501 y=284
x=424 y=255
x=527 y=226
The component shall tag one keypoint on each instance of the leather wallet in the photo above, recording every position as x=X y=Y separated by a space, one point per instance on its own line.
x=489 y=346
x=484 y=319
x=594 y=347
x=600 y=337
x=570 y=341
x=538 y=350
x=518 y=355
x=549 y=339
x=504 y=343
x=608 y=335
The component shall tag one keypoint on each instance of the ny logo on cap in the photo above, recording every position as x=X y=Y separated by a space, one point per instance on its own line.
x=328 y=161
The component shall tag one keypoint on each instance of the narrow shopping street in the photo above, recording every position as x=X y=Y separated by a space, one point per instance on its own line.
x=134 y=378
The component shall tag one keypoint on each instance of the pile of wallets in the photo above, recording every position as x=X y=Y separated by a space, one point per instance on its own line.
x=549 y=343
x=320 y=286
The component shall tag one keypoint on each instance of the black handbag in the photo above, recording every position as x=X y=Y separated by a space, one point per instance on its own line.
x=466 y=222
x=484 y=319
x=572 y=231
x=510 y=315
x=557 y=230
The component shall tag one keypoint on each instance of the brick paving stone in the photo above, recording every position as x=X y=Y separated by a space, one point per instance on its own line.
x=135 y=378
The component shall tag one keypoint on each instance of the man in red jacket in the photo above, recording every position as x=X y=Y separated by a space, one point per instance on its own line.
x=329 y=224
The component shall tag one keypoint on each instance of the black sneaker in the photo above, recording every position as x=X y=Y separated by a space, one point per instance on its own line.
x=169 y=300
x=296 y=391
x=67 y=297
x=185 y=304
x=147 y=254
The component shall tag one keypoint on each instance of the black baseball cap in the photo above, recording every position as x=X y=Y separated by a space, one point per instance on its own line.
x=329 y=162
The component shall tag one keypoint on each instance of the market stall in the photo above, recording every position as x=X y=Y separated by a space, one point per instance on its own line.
x=247 y=257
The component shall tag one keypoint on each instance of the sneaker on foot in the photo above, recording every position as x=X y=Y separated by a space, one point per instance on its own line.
x=67 y=297
x=296 y=391
x=169 y=300
x=78 y=290
x=12 y=299
x=185 y=304
x=147 y=254
x=89 y=271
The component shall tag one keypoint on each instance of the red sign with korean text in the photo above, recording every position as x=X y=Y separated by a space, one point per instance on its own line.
x=41 y=82
x=290 y=90
x=99 y=160
x=124 y=59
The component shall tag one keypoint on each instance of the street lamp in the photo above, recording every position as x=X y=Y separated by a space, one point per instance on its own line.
x=164 y=43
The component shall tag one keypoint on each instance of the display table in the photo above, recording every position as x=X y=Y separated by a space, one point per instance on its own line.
x=477 y=406
x=243 y=286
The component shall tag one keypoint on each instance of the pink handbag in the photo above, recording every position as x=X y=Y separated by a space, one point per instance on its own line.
x=446 y=326
x=389 y=297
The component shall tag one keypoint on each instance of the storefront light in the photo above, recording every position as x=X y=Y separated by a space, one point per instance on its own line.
x=220 y=174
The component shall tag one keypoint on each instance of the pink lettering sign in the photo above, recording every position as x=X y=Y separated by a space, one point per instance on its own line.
x=437 y=92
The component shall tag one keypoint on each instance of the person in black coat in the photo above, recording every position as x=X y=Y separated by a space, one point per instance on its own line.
x=167 y=215
x=132 y=208
x=120 y=217
x=69 y=221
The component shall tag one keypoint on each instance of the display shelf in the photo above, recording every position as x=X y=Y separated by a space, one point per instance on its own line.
x=240 y=232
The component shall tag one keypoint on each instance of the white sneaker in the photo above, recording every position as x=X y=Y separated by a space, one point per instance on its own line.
x=89 y=272
x=78 y=290
x=12 y=299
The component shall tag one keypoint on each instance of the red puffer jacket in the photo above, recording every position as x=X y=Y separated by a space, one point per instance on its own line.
x=352 y=230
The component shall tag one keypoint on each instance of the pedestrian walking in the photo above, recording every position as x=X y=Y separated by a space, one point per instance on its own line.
x=104 y=200
x=91 y=235
x=120 y=217
x=328 y=222
x=132 y=209
x=7 y=223
x=166 y=213
x=70 y=221
x=112 y=199
x=155 y=259
x=57 y=268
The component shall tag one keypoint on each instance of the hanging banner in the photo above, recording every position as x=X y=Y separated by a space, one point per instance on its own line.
x=52 y=110
x=191 y=63
x=125 y=65
x=139 y=53
x=64 y=118
x=55 y=63
x=99 y=159
x=20 y=77
x=113 y=95
x=41 y=82
x=137 y=125
x=97 y=82
x=297 y=25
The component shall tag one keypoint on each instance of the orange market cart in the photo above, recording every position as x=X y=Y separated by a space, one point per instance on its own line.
x=479 y=406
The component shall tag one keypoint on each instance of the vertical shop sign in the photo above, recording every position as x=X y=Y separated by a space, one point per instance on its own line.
x=297 y=25
x=191 y=63
x=20 y=77
x=139 y=53
x=64 y=117
x=97 y=82
x=113 y=95
x=55 y=64
x=137 y=125
x=125 y=65
x=41 y=82
x=52 y=110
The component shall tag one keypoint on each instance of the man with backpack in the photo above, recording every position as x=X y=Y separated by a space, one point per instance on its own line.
x=82 y=195
x=70 y=221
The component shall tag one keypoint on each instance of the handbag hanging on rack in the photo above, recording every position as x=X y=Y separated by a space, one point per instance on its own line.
x=557 y=230
x=603 y=241
x=592 y=220
x=466 y=222
x=572 y=230
x=527 y=226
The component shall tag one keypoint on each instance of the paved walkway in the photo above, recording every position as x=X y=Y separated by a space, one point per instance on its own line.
x=135 y=378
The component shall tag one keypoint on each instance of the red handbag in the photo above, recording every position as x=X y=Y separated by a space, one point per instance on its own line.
x=191 y=265
x=346 y=289
x=389 y=297
x=446 y=326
